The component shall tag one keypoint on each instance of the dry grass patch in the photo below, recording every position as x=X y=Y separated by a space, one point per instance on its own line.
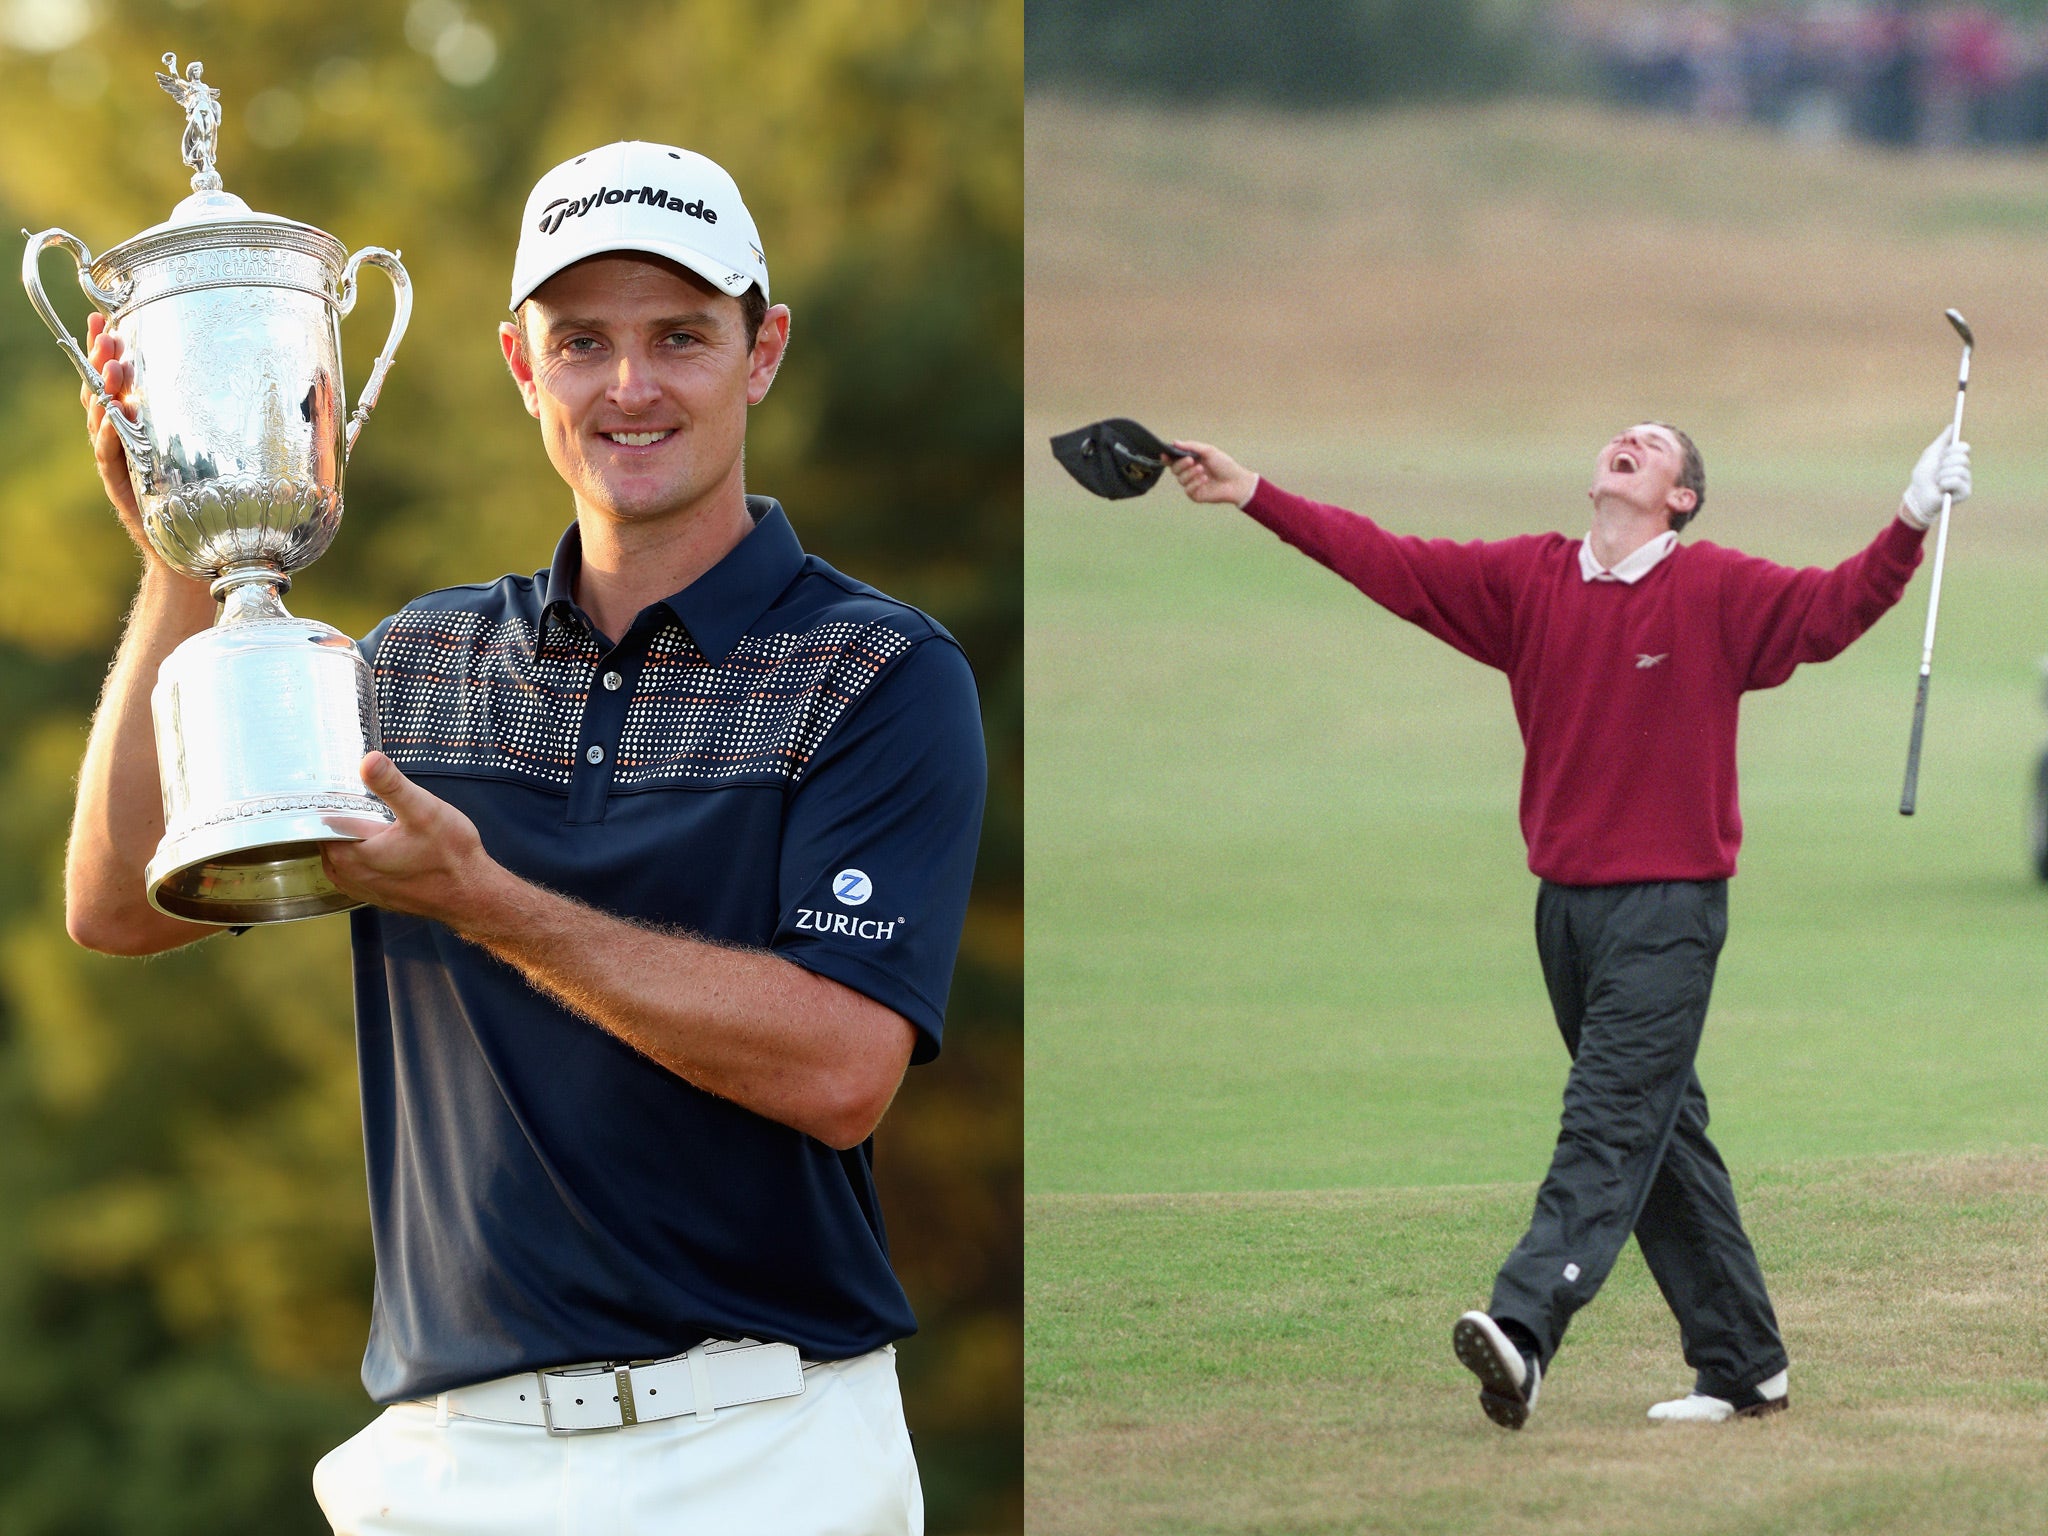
x=1530 y=273
x=1280 y=1363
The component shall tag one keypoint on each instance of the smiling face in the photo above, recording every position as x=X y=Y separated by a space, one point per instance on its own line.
x=640 y=374
x=1650 y=468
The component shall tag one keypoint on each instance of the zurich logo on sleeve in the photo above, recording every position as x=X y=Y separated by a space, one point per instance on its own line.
x=850 y=888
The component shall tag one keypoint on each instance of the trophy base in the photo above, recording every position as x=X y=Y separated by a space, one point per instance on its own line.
x=261 y=726
x=261 y=870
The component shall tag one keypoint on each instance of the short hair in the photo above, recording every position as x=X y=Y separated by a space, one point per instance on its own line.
x=753 y=315
x=1692 y=474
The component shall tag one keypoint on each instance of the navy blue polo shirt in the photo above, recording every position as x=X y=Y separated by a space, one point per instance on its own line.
x=776 y=756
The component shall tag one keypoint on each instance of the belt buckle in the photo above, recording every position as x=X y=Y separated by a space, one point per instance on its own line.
x=622 y=1381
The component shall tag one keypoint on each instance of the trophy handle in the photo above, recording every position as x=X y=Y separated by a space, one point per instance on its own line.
x=401 y=285
x=132 y=436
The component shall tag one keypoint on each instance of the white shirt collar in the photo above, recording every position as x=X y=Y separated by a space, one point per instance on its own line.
x=1632 y=567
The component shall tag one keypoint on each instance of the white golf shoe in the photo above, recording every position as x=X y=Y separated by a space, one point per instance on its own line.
x=1508 y=1379
x=1770 y=1396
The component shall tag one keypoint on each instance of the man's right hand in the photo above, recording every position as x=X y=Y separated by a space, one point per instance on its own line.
x=104 y=349
x=1209 y=474
x=119 y=818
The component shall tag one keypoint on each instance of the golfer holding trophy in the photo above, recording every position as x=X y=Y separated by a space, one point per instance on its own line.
x=658 y=871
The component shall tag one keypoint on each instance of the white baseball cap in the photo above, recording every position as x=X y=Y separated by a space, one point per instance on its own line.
x=639 y=197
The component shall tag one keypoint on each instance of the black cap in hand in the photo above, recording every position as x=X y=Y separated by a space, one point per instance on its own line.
x=1114 y=458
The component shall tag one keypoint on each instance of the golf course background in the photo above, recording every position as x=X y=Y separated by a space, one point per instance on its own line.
x=1291 y=1076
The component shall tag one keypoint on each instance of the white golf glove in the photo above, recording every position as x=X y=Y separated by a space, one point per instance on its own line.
x=1943 y=468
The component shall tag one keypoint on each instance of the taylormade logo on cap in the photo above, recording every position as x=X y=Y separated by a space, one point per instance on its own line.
x=634 y=196
x=563 y=208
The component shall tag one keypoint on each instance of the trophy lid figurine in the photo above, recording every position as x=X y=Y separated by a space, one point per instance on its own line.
x=231 y=320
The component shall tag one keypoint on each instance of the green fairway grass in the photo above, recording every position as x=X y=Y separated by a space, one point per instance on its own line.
x=1280 y=923
x=1291 y=1072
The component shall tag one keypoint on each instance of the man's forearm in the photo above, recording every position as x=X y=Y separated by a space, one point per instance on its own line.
x=119 y=816
x=1437 y=585
x=744 y=1024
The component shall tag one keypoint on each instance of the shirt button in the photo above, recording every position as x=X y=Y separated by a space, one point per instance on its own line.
x=595 y=754
x=612 y=682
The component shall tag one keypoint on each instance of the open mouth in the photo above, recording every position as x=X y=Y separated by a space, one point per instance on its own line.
x=637 y=439
x=1624 y=462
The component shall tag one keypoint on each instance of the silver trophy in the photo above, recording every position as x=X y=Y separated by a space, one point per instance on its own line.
x=232 y=321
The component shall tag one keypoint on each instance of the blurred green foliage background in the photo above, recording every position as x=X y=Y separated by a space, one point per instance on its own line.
x=184 y=1250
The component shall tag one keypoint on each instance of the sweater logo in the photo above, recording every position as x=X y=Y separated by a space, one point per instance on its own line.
x=1644 y=660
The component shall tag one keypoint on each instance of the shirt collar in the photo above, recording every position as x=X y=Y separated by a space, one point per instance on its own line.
x=1630 y=568
x=719 y=606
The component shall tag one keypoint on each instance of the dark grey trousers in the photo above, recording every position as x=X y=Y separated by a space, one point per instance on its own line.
x=1630 y=968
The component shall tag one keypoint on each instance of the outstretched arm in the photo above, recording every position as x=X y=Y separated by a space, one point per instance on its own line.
x=1461 y=593
x=1778 y=618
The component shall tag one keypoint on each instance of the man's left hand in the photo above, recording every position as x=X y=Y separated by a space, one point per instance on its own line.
x=1943 y=470
x=430 y=862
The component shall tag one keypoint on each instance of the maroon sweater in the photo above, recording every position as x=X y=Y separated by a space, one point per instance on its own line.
x=1626 y=695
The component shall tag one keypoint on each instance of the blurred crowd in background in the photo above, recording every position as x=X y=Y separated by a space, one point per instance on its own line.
x=1903 y=73
x=1927 y=75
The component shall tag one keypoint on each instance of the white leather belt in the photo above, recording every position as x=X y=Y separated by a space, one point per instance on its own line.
x=583 y=1399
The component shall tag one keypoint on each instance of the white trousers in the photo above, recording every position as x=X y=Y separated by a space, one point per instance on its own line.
x=832 y=1461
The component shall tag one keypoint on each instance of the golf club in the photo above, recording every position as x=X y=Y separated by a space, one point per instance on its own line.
x=1911 y=793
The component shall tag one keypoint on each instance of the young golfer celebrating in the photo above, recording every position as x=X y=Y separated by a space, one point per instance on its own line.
x=1627 y=655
